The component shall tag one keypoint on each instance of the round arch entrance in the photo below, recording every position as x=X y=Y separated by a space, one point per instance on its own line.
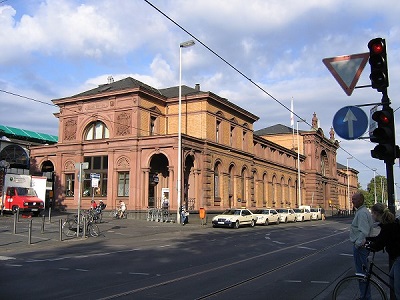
x=158 y=189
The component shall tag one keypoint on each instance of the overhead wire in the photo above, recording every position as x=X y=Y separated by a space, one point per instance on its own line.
x=244 y=75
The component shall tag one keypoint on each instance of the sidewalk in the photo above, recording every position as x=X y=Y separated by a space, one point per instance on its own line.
x=46 y=235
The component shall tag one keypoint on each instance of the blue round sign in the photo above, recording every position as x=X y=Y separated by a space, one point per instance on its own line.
x=350 y=122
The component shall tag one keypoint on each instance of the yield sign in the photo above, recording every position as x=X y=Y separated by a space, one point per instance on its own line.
x=347 y=69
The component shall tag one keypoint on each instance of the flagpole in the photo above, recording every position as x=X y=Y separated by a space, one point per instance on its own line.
x=292 y=120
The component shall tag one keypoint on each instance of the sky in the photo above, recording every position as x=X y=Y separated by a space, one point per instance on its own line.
x=259 y=54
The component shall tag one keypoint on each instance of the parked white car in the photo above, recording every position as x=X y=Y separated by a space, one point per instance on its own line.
x=286 y=215
x=302 y=214
x=234 y=218
x=266 y=216
x=316 y=213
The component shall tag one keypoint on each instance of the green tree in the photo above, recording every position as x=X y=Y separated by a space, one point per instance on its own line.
x=380 y=184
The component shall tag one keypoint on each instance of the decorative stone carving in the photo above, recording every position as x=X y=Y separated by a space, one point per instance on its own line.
x=123 y=124
x=69 y=165
x=123 y=162
x=70 y=128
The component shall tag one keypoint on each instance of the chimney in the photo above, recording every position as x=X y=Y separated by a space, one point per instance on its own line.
x=197 y=87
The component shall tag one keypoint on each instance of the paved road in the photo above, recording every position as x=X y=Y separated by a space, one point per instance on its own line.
x=135 y=259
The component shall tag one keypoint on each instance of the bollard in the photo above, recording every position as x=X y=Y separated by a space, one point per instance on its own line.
x=43 y=219
x=17 y=213
x=2 y=210
x=84 y=228
x=15 y=224
x=49 y=214
x=30 y=232
x=60 y=229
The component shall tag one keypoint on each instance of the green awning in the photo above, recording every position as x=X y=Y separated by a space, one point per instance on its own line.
x=27 y=134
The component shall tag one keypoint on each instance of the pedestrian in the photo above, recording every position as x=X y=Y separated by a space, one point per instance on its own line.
x=184 y=215
x=360 y=229
x=388 y=238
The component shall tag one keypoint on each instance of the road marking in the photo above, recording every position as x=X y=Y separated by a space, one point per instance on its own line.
x=293 y=281
x=134 y=273
x=308 y=248
x=346 y=254
x=277 y=242
x=324 y=282
x=6 y=257
x=10 y=265
x=82 y=270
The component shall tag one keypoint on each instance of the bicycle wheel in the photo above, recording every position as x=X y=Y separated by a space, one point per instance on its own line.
x=93 y=230
x=349 y=288
x=69 y=228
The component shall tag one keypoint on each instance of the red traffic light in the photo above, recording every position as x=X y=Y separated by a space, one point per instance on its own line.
x=381 y=117
x=376 y=46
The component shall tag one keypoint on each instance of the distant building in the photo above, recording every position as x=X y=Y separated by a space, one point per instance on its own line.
x=15 y=146
x=127 y=132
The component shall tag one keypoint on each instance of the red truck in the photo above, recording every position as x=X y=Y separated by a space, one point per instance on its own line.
x=19 y=194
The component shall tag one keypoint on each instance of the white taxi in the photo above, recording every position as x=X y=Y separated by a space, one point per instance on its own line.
x=302 y=214
x=266 y=216
x=287 y=215
x=234 y=217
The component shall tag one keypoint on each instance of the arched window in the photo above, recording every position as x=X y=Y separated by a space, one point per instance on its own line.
x=96 y=131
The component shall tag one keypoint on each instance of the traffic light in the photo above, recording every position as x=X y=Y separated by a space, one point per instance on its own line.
x=379 y=69
x=384 y=135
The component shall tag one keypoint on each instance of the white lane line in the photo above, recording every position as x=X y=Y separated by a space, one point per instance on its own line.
x=317 y=281
x=308 y=248
x=277 y=242
x=82 y=270
x=346 y=254
x=6 y=257
x=293 y=281
x=134 y=273
x=10 y=265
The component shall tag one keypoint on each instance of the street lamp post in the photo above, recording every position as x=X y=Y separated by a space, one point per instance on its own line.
x=348 y=183
x=374 y=184
x=179 y=183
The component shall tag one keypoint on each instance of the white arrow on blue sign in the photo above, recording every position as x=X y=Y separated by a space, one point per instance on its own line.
x=350 y=122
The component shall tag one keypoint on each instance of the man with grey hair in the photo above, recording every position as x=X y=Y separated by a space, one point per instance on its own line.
x=360 y=229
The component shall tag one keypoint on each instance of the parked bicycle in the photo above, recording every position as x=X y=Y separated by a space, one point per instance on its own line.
x=70 y=227
x=350 y=287
x=118 y=214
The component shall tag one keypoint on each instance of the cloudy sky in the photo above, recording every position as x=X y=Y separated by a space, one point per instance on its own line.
x=57 y=48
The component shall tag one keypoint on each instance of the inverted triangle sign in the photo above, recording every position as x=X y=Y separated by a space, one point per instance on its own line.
x=347 y=69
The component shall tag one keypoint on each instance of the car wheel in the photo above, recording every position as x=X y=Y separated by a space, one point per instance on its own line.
x=302 y=219
x=266 y=222
x=252 y=223
x=285 y=220
x=15 y=209
x=236 y=224
x=277 y=222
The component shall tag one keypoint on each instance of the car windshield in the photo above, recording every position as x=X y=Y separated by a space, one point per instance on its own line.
x=298 y=210
x=314 y=210
x=281 y=211
x=26 y=191
x=231 y=212
x=261 y=212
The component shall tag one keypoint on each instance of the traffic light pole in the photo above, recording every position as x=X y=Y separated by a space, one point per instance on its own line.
x=389 y=161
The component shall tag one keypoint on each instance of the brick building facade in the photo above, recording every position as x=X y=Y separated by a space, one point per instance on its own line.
x=127 y=132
